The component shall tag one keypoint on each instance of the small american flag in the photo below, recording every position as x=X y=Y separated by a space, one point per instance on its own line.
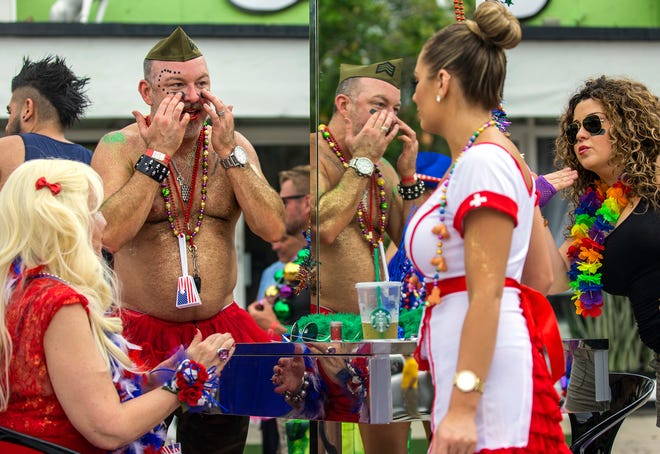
x=174 y=448
x=186 y=293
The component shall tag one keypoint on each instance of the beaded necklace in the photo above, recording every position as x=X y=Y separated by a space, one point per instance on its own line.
x=459 y=11
x=372 y=236
x=54 y=277
x=596 y=216
x=168 y=200
x=441 y=230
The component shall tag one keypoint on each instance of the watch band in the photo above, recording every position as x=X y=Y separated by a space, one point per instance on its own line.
x=230 y=161
x=237 y=158
x=152 y=168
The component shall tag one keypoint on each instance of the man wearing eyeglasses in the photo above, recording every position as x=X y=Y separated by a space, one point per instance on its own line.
x=294 y=192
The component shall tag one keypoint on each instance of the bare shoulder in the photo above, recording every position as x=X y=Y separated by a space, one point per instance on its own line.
x=506 y=144
x=12 y=149
x=253 y=157
x=124 y=139
x=244 y=142
x=121 y=147
x=12 y=154
x=115 y=155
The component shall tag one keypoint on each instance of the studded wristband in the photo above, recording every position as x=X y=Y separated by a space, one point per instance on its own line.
x=411 y=192
x=152 y=168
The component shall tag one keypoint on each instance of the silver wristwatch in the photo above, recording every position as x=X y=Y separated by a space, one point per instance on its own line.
x=237 y=158
x=363 y=166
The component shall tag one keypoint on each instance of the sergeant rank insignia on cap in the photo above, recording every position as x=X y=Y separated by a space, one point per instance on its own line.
x=388 y=71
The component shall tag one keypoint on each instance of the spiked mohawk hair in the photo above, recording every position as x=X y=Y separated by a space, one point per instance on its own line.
x=53 y=79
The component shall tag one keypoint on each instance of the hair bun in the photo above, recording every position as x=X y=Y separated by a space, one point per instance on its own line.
x=494 y=24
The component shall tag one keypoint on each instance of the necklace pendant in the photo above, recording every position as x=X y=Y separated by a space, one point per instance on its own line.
x=185 y=192
x=198 y=282
x=434 y=297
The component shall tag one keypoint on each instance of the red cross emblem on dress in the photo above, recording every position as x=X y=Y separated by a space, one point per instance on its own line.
x=478 y=200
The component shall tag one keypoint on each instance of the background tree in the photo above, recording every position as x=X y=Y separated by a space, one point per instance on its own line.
x=366 y=31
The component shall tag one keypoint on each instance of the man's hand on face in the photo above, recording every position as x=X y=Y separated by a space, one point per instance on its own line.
x=222 y=119
x=167 y=126
x=407 y=162
x=375 y=136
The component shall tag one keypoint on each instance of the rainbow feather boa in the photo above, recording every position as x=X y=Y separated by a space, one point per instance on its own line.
x=595 y=217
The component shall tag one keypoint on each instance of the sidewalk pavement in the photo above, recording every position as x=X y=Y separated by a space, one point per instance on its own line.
x=637 y=435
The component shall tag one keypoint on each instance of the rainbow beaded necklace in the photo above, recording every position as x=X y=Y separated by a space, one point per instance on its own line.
x=441 y=230
x=596 y=216
x=373 y=236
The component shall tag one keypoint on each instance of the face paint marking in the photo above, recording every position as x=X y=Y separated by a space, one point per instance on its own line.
x=116 y=137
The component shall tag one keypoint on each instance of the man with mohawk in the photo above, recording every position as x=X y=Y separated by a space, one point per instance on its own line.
x=47 y=98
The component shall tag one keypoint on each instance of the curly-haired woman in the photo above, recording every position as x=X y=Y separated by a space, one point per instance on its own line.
x=611 y=136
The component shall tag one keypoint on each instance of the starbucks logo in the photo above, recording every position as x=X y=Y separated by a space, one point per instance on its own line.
x=380 y=320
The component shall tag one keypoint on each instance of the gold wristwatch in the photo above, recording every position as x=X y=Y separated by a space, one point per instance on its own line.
x=467 y=381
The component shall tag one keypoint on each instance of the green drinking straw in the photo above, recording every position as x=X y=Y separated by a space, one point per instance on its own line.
x=377 y=267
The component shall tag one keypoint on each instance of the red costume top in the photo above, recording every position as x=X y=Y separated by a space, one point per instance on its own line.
x=33 y=406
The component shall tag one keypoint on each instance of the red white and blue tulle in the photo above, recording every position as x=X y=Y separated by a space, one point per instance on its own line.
x=130 y=385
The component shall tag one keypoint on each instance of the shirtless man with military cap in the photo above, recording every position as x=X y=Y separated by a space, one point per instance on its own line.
x=175 y=187
x=357 y=190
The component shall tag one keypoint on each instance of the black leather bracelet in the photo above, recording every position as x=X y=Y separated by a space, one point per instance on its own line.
x=152 y=168
x=411 y=192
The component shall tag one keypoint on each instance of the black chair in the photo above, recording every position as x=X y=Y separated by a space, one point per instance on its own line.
x=594 y=433
x=20 y=439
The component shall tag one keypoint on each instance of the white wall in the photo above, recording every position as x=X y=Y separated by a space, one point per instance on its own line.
x=542 y=76
x=262 y=78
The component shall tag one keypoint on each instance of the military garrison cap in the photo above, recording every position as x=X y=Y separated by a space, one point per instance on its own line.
x=176 y=47
x=388 y=70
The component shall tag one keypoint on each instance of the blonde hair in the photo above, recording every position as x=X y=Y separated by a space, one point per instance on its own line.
x=473 y=52
x=38 y=227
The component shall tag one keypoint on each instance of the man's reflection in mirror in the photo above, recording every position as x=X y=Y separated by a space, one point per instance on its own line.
x=358 y=202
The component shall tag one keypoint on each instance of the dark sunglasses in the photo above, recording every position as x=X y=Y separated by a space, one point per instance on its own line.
x=292 y=197
x=593 y=124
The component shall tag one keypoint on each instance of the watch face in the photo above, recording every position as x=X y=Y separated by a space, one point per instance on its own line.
x=364 y=166
x=240 y=154
x=466 y=381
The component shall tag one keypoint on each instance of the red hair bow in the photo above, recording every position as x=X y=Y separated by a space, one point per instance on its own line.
x=42 y=183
